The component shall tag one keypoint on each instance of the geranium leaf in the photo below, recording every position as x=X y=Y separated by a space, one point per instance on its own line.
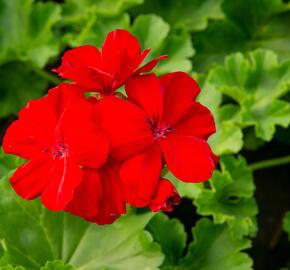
x=189 y=190
x=195 y=13
x=228 y=138
x=213 y=248
x=30 y=37
x=153 y=32
x=73 y=10
x=19 y=83
x=42 y=235
x=171 y=235
x=265 y=26
x=10 y=267
x=57 y=265
x=230 y=197
x=256 y=82
x=93 y=29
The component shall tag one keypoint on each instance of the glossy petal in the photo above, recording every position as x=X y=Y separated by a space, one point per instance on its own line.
x=126 y=125
x=87 y=196
x=147 y=92
x=87 y=143
x=25 y=139
x=83 y=56
x=188 y=158
x=165 y=198
x=180 y=91
x=64 y=176
x=116 y=44
x=150 y=65
x=107 y=70
x=140 y=176
x=112 y=204
x=29 y=180
x=197 y=122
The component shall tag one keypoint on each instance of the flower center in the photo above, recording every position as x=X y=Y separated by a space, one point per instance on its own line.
x=161 y=131
x=59 y=150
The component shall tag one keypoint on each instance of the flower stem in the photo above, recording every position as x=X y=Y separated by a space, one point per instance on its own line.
x=270 y=163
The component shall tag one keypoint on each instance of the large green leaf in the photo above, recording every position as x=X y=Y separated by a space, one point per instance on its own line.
x=228 y=138
x=26 y=31
x=57 y=265
x=189 y=190
x=73 y=10
x=19 y=84
x=191 y=14
x=171 y=235
x=89 y=21
x=250 y=24
x=257 y=82
x=34 y=235
x=213 y=248
x=230 y=197
x=153 y=32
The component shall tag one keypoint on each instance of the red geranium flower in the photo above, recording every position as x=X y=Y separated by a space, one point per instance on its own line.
x=56 y=134
x=165 y=198
x=106 y=70
x=99 y=198
x=160 y=119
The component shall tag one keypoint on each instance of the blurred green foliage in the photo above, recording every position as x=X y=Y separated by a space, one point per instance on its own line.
x=239 y=53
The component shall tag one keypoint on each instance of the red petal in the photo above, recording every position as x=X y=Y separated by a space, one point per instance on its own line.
x=117 y=42
x=126 y=125
x=64 y=176
x=112 y=204
x=87 y=196
x=30 y=179
x=198 y=122
x=180 y=91
x=87 y=143
x=81 y=56
x=150 y=65
x=189 y=158
x=165 y=198
x=25 y=139
x=147 y=92
x=140 y=176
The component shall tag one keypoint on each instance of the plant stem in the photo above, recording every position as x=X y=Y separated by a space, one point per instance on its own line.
x=270 y=163
x=48 y=76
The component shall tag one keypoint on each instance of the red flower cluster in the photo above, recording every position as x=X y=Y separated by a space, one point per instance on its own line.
x=91 y=156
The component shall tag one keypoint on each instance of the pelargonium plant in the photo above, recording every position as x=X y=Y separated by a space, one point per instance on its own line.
x=91 y=150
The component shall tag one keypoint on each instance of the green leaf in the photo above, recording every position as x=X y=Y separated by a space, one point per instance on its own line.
x=19 y=84
x=73 y=10
x=26 y=31
x=57 y=265
x=286 y=224
x=153 y=32
x=256 y=82
x=250 y=24
x=191 y=14
x=42 y=235
x=93 y=30
x=230 y=197
x=189 y=190
x=228 y=138
x=213 y=248
x=8 y=163
x=171 y=235
x=10 y=267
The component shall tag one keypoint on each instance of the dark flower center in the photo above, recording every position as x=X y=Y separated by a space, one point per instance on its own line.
x=161 y=131
x=59 y=150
